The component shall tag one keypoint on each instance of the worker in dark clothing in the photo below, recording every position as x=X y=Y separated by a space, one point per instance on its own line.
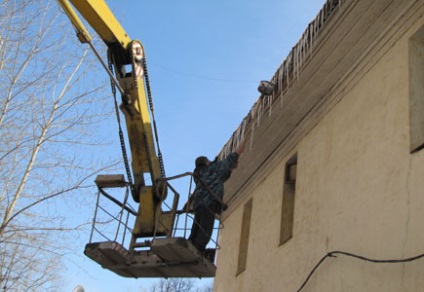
x=209 y=192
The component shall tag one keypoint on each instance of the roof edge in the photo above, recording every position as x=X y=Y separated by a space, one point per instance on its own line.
x=285 y=76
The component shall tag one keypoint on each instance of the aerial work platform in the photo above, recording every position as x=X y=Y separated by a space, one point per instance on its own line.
x=126 y=252
x=165 y=252
x=167 y=258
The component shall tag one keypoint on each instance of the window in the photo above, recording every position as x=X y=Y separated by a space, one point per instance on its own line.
x=287 y=209
x=244 y=237
x=416 y=91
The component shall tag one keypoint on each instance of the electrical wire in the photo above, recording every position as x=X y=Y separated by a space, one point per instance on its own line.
x=336 y=252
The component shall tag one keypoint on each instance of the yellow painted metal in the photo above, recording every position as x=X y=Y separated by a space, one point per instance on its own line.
x=139 y=127
x=151 y=220
x=102 y=20
x=83 y=33
x=145 y=222
x=135 y=105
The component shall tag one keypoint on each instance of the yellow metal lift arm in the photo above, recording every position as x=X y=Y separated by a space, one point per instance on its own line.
x=165 y=255
x=125 y=53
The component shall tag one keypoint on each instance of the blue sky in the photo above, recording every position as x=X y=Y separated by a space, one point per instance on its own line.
x=205 y=60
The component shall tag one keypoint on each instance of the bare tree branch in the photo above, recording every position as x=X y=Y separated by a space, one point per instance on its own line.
x=48 y=114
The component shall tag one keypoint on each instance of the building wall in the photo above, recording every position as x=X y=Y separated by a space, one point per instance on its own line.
x=358 y=190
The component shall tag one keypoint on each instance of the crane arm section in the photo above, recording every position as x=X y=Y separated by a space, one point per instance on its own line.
x=125 y=53
x=100 y=18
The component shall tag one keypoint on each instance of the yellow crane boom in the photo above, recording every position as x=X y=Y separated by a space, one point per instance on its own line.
x=161 y=255
x=126 y=53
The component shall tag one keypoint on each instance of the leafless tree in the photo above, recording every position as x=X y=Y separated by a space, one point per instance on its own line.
x=178 y=285
x=173 y=285
x=50 y=104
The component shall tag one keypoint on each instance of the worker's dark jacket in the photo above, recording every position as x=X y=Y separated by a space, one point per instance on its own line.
x=213 y=175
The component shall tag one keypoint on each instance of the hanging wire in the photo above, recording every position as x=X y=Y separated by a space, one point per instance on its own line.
x=335 y=253
x=121 y=134
x=149 y=95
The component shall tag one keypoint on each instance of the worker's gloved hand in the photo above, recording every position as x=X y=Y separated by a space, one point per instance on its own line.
x=224 y=206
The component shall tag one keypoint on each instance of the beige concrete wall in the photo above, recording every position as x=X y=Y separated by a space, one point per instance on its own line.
x=358 y=190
